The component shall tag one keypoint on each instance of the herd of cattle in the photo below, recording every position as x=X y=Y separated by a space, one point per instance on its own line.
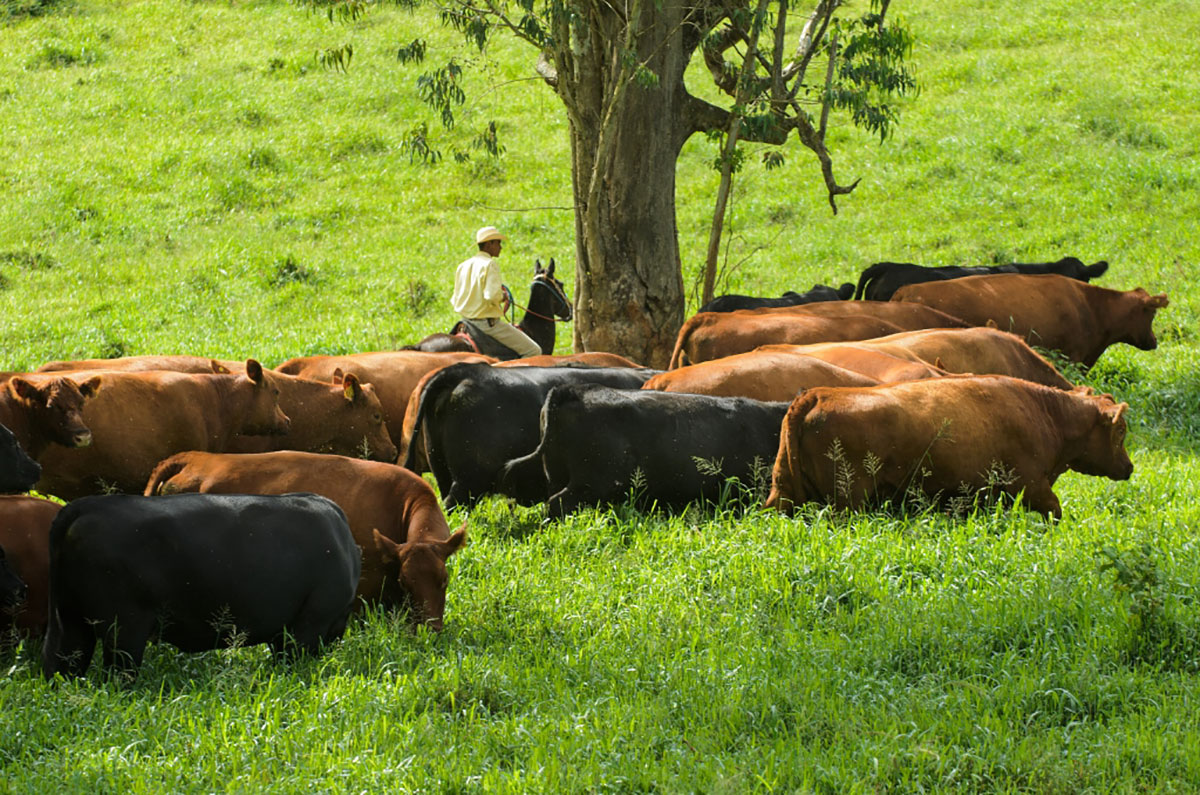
x=928 y=388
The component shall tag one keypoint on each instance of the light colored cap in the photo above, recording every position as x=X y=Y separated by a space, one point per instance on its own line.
x=488 y=233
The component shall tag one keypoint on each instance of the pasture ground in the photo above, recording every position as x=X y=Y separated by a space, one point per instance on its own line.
x=183 y=178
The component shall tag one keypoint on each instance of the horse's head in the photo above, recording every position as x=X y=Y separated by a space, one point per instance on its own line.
x=547 y=293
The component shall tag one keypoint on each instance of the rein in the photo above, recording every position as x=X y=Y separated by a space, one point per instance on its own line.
x=513 y=305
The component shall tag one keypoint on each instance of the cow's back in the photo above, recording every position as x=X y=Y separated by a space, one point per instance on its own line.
x=775 y=373
x=138 y=364
x=714 y=335
x=980 y=350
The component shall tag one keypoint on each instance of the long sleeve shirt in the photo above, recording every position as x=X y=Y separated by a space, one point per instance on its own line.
x=478 y=290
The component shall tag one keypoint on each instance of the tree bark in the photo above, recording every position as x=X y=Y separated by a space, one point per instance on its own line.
x=629 y=284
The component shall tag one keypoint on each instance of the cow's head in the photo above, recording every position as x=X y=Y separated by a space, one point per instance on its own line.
x=55 y=408
x=1137 y=321
x=18 y=472
x=1104 y=453
x=264 y=417
x=422 y=573
x=12 y=589
x=363 y=419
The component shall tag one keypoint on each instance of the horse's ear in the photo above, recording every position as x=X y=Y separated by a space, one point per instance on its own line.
x=550 y=270
x=537 y=266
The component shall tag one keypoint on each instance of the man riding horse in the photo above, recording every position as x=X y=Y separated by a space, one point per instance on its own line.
x=481 y=298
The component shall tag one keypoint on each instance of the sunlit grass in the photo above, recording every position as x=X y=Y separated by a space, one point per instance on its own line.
x=184 y=178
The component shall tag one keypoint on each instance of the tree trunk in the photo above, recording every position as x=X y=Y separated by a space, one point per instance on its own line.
x=629 y=285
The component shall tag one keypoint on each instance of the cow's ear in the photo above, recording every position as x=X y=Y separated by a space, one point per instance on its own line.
x=90 y=387
x=454 y=543
x=25 y=390
x=217 y=367
x=386 y=546
x=337 y=377
x=1116 y=412
x=1158 y=301
x=991 y=324
x=351 y=388
x=254 y=371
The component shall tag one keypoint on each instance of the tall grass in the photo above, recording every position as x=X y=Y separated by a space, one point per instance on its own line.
x=186 y=178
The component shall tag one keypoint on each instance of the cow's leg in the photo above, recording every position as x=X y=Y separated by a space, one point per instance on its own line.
x=69 y=646
x=780 y=499
x=562 y=503
x=459 y=495
x=314 y=627
x=124 y=644
x=1039 y=497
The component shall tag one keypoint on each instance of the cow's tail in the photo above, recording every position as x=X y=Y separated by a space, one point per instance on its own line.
x=439 y=382
x=163 y=472
x=679 y=354
x=524 y=479
x=787 y=477
x=867 y=275
x=1095 y=270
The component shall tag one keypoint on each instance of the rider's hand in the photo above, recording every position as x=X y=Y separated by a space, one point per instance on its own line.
x=505 y=298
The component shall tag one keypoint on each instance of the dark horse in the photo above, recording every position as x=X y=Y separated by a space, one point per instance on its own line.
x=548 y=304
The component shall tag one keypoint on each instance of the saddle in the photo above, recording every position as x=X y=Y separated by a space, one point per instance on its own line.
x=481 y=343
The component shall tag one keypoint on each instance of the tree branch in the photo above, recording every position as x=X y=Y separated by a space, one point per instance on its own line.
x=810 y=138
x=703 y=116
x=807 y=46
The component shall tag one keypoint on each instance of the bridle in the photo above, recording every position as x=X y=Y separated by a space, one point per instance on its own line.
x=558 y=293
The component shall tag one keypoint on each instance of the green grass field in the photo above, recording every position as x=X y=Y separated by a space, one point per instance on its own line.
x=184 y=178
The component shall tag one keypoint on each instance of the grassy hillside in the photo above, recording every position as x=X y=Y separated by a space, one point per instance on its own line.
x=183 y=177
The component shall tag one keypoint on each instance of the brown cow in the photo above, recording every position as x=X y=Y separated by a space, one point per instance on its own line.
x=394 y=515
x=138 y=419
x=775 y=373
x=342 y=418
x=711 y=335
x=139 y=364
x=392 y=373
x=945 y=438
x=1049 y=310
x=47 y=411
x=24 y=535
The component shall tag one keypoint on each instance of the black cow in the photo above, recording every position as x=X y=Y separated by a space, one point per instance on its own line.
x=819 y=292
x=474 y=418
x=199 y=571
x=18 y=472
x=686 y=447
x=12 y=589
x=881 y=280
